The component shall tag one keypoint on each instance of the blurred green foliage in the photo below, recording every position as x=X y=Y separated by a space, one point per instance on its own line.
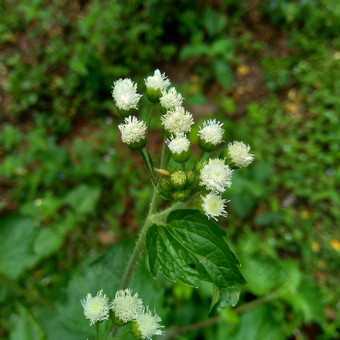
x=69 y=190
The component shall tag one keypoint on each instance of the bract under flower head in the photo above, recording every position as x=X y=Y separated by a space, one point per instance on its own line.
x=125 y=306
x=96 y=308
x=239 y=154
x=149 y=325
x=211 y=132
x=215 y=175
x=177 y=121
x=158 y=81
x=133 y=131
x=171 y=99
x=178 y=143
x=125 y=94
x=213 y=205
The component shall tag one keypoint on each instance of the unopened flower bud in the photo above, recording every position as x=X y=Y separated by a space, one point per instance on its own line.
x=181 y=196
x=178 y=180
x=192 y=180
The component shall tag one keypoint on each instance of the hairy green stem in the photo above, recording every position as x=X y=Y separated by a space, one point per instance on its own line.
x=148 y=164
x=140 y=241
x=172 y=333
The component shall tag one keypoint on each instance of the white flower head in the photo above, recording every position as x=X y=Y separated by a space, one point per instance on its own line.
x=96 y=308
x=125 y=306
x=211 y=132
x=177 y=121
x=158 y=81
x=125 y=94
x=239 y=154
x=171 y=99
x=178 y=143
x=148 y=324
x=213 y=205
x=216 y=175
x=133 y=130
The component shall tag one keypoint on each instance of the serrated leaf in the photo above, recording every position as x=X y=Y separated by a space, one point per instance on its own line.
x=191 y=248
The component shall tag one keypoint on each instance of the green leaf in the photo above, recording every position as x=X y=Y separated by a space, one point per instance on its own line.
x=83 y=199
x=26 y=327
x=259 y=323
x=223 y=72
x=16 y=244
x=191 y=248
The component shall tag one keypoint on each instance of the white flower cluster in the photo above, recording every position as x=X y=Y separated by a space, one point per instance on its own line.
x=126 y=307
x=178 y=143
x=158 y=81
x=213 y=205
x=239 y=154
x=148 y=324
x=211 y=132
x=133 y=130
x=177 y=120
x=171 y=99
x=215 y=177
x=96 y=308
x=125 y=94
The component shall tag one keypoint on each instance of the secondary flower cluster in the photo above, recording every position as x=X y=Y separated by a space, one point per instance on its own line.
x=211 y=174
x=125 y=308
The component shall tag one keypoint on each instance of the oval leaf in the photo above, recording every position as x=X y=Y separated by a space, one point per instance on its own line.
x=191 y=248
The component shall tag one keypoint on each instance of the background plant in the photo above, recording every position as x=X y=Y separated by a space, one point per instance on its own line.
x=282 y=100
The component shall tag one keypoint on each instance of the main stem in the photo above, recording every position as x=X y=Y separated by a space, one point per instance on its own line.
x=140 y=241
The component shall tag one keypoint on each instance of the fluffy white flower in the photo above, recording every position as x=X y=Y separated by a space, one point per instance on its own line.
x=125 y=306
x=158 y=81
x=148 y=324
x=125 y=94
x=177 y=121
x=178 y=143
x=213 y=205
x=96 y=308
x=215 y=175
x=171 y=99
x=211 y=132
x=239 y=154
x=133 y=130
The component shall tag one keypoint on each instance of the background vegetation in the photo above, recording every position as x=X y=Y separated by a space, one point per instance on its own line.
x=269 y=69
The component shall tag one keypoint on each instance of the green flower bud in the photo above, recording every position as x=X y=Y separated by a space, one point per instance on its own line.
x=178 y=180
x=182 y=196
x=193 y=181
x=165 y=185
x=200 y=165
